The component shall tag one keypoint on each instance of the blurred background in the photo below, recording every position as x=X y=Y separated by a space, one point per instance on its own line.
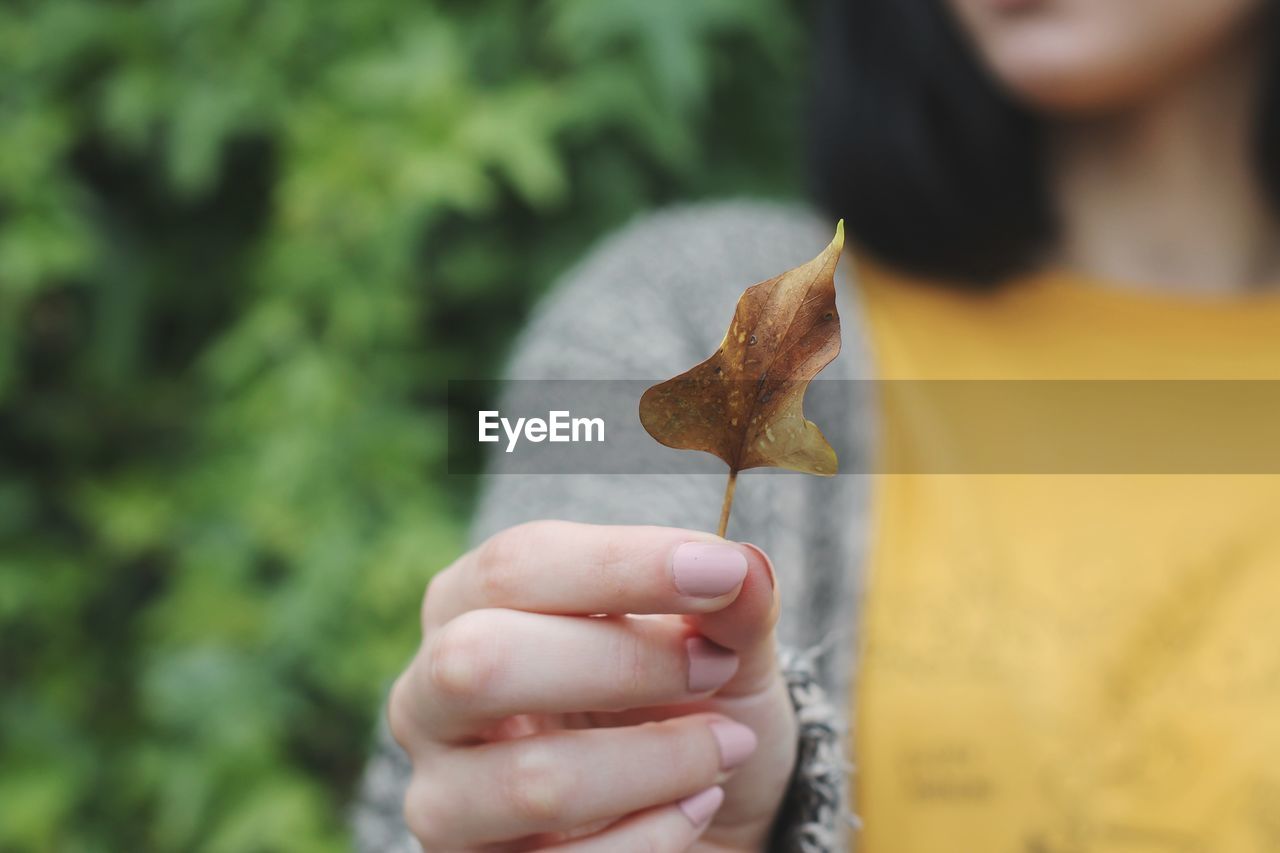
x=243 y=244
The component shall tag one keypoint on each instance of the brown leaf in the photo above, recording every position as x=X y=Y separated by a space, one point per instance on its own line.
x=745 y=402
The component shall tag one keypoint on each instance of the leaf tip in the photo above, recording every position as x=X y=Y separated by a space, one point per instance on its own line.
x=838 y=241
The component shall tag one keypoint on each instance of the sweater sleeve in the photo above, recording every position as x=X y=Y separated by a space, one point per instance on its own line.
x=814 y=816
x=647 y=304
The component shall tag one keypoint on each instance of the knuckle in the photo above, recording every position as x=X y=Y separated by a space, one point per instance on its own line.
x=614 y=558
x=499 y=560
x=431 y=598
x=425 y=814
x=631 y=659
x=462 y=660
x=399 y=714
x=689 y=746
x=539 y=786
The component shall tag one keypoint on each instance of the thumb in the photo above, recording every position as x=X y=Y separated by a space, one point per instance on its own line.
x=747 y=625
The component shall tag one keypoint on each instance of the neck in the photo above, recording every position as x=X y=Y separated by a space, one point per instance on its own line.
x=1165 y=195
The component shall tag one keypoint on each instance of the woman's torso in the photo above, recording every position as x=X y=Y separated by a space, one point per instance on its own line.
x=1068 y=639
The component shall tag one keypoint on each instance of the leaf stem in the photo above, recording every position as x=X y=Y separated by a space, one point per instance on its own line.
x=728 y=501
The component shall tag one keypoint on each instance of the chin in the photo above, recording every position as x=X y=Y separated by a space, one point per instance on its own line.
x=1074 y=79
x=1071 y=92
x=1083 y=56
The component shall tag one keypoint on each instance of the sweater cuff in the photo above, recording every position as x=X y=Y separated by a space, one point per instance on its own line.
x=814 y=817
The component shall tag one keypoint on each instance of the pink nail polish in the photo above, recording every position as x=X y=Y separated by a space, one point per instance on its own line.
x=702 y=806
x=710 y=666
x=707 y=569
x=735 y=740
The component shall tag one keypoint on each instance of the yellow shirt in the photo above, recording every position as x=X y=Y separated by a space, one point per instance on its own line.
x=1067 y=662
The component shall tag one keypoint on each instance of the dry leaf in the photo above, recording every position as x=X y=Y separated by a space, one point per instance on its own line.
x=745 y=402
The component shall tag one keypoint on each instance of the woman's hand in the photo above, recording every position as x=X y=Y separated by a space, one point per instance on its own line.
x=591 y=688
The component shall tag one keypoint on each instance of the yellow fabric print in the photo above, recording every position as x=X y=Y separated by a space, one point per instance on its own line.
x=1066 y=662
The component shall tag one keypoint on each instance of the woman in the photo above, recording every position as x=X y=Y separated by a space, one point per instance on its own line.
x=1035 y=189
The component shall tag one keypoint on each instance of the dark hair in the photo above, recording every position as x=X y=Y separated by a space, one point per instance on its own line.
x=934 y=168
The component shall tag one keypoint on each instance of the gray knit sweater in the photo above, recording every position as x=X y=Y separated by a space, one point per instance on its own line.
x=647 y=304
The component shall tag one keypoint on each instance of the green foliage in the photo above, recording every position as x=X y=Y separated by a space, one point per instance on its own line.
x=242 y=246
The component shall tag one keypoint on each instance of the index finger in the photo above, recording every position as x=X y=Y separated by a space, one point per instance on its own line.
x=586 y=569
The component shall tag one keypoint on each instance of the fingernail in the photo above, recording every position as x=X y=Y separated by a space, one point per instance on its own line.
x=702 y=806
x=735 y=740
x=768 y=564
x=710 y=666
x=707 y=569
